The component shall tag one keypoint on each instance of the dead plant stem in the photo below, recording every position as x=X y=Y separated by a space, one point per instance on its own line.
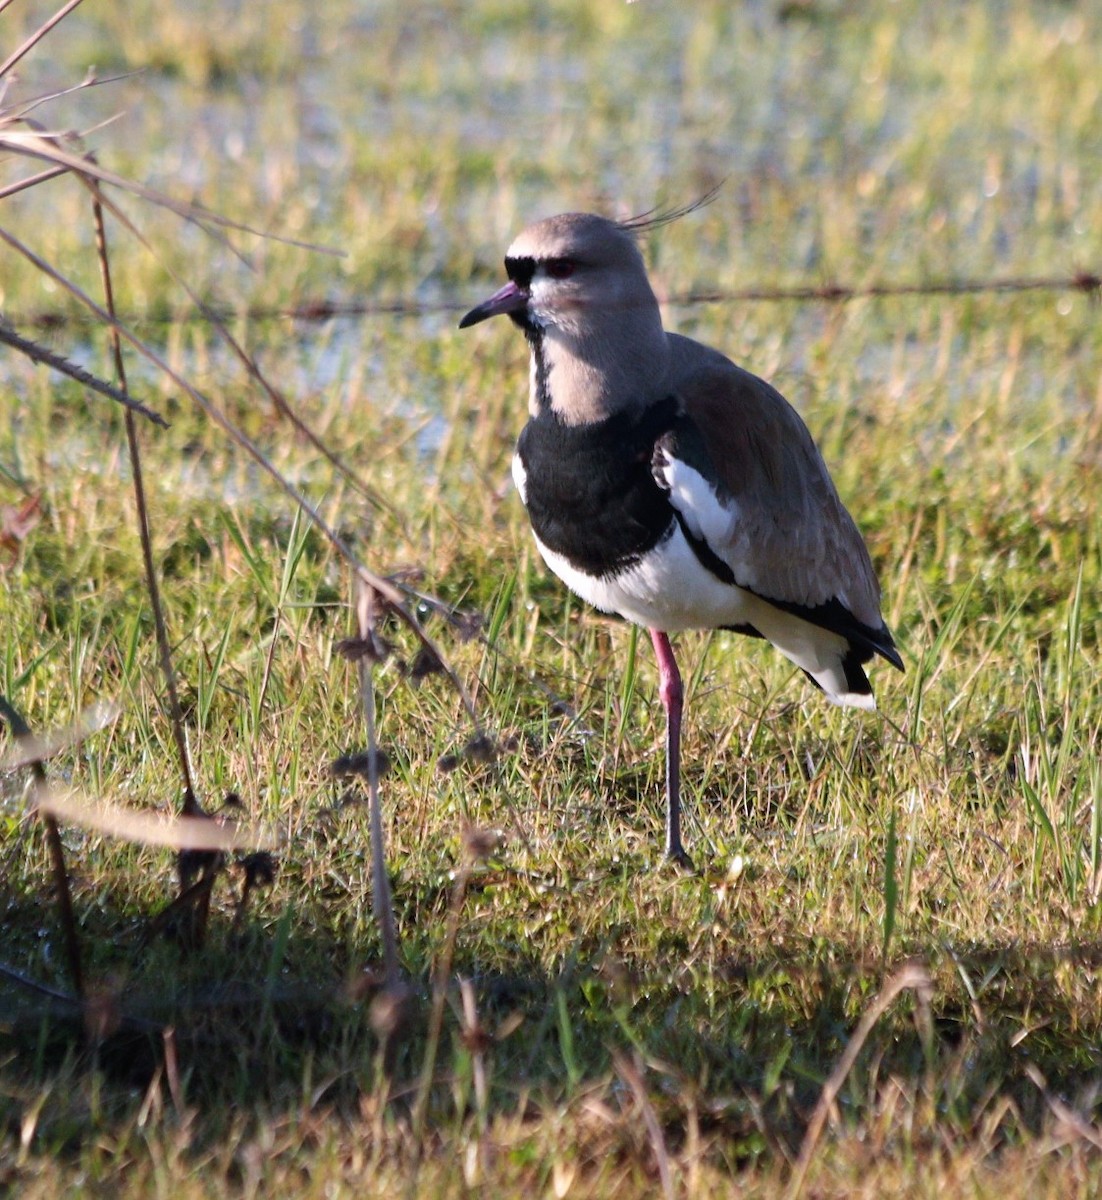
x=37 y=36
x=911 y=976
x=190 y=806
x=380 y=890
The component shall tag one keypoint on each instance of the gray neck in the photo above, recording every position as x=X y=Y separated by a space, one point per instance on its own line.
x=618 y=363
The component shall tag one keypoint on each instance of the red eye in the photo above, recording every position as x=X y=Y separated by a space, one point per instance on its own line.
x=560 y=268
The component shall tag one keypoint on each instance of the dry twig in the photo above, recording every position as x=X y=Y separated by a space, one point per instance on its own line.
x=629 y=1073
x=191 y=806
x=367 y=617
x=911 y=976
x=52 y=834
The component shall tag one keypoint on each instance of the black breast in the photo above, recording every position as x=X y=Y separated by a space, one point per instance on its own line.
x=591 y=493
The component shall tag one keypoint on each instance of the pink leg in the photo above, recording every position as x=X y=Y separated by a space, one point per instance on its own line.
x=670 y=690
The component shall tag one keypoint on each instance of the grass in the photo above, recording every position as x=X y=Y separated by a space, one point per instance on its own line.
x=627 y=1028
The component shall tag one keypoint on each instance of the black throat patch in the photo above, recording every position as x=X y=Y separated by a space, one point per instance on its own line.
x=591 y=494
x=541 y=375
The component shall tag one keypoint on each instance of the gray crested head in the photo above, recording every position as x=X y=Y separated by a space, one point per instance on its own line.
x=579 y=288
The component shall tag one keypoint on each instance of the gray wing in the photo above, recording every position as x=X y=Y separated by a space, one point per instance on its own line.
x=747 y=478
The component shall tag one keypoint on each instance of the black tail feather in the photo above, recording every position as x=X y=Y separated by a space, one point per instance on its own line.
x=864 y=641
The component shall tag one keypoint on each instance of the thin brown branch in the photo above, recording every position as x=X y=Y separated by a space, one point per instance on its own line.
x=42 y=989
x=20 y=731
x=629 y=1073
x=186 y=913
x=149 y=828
x=912 y=976
x=31 y=748
x=382 y=902
x=1073 y=1122
x=43 y=145
x=20 y=112
x=69 y=1000
x=36 y=37
x=64 y=894
x=248 y=361
x=476 y=1039
x=175 y=711
x=31 y=181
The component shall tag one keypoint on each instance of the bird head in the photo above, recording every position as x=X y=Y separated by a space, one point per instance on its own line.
x=567 y=272
x=579 y=288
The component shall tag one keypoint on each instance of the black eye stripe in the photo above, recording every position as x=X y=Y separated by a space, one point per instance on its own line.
x=521 y=270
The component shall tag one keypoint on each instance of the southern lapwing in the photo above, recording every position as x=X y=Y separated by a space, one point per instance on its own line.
x=668 y=485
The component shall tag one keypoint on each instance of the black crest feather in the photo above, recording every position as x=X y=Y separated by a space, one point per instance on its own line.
x=655 y=218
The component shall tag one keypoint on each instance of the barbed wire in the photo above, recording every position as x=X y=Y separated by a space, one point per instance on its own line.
x=41 y=354
x=319 y=310
x=1081 y=281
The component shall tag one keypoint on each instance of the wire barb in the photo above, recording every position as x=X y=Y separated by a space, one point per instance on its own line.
x=40 y=354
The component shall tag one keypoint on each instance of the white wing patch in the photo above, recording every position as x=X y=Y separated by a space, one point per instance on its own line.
x=782 y=556
x=708 y=517
x=670 y=589
x=520 y=478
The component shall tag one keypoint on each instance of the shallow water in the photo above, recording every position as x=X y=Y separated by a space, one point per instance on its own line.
x=855 y=147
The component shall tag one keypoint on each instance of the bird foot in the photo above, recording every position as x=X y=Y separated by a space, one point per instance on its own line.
x=676 y=856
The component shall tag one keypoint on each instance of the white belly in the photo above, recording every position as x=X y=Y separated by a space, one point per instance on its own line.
x=667 y=589
x=670 y=590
